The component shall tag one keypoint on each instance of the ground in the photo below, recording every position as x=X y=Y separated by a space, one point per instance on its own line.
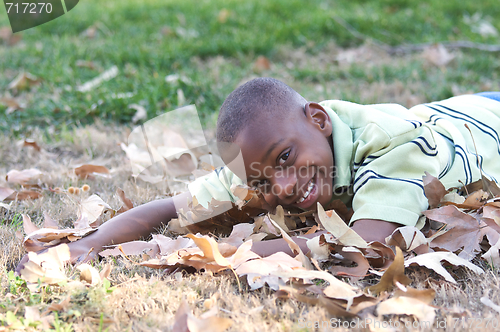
x=212 y=47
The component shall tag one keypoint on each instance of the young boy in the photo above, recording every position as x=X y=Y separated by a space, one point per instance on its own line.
x=301 y=153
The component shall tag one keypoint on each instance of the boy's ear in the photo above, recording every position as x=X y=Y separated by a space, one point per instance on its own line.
x=317 y=115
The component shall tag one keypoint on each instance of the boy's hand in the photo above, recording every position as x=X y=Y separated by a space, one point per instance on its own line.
x=374 y=229
x=131 y=225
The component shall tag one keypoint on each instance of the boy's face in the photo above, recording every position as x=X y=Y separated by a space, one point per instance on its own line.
x=290 y=159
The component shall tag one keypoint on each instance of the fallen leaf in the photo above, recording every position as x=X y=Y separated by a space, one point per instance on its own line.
x=49 y=222
x=13 y=104
x=28 y=225
x=87 y=170
x=338 y=228
x=5 y=192
x=407 y=306
x=23 y=81
x=407 y=238
x=434 y=190
x=46 y=267
x=61 y=306
x=433 y=260
x=463 y=231
x=238 y=235
x=487 y=302
x=89 y=274
x=355 y=255
x=437 y=55
x=23 y=177
x=424 y=295
x=140 y=114
x=48 y=237
x=395 y=273
x=261 y=64
x=267 y=270
x=23 y=195
x=306 y=263
x=89 y=210
x=127 y=203
x=210 y=249
x=8 y=37
x=33 y=144
x=185 y=321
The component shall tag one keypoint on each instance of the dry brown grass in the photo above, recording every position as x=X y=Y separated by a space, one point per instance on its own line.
x=144 y=299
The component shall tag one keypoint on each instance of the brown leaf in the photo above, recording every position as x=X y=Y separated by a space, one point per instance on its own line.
x=61 y=306
x=48 y=237
x=49 y=222
x=463 y=231
x=9 y=38
x=90 y=210
x=28 y=225
x=5 y=193
x=32 y=143
x=23 y=81
x=267 y=270
x=379 y=255
x=89 y=274
x=127 y=203
x=23 y=177
x=395 y=273
x=424 y=295
x=210 y=249
x=434 y=190
x=306 y=263
x=338 y=228
x=185 y=321
x=355 y=255
x=407 y=306
x=13 y=104
x=238 y=235
x=23 y=195
x=407 y=238
x=87 y=170
x=106 y=271
x=476 y=199
x=261 y=64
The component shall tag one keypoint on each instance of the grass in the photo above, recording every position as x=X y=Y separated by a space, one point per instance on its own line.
x=215 y=45
x=151 y=39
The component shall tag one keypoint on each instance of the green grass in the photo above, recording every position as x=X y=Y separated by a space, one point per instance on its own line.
x=148 y=40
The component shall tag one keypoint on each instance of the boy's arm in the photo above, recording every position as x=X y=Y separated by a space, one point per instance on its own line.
x=131 y=225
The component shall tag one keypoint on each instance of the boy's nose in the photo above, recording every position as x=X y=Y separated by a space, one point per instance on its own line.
x=285 y=187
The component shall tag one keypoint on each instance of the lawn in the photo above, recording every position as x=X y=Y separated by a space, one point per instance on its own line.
x=174 y=53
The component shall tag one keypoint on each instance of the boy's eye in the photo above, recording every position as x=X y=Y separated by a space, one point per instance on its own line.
x=284 y=158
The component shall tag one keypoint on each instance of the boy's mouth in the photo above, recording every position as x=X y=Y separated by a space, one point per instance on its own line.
x=309 y=195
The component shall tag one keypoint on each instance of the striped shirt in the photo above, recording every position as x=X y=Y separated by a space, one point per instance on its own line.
x=382 y=151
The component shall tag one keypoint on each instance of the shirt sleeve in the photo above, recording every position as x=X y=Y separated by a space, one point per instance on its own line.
x=215 y=185
x=388 y=170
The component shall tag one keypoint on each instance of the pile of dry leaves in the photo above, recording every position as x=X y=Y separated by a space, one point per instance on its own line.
x=462 y=230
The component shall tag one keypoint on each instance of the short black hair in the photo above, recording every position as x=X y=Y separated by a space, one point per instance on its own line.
x=262 y=95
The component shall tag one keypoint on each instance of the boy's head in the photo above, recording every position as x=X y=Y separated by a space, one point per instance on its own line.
x=285 y=143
